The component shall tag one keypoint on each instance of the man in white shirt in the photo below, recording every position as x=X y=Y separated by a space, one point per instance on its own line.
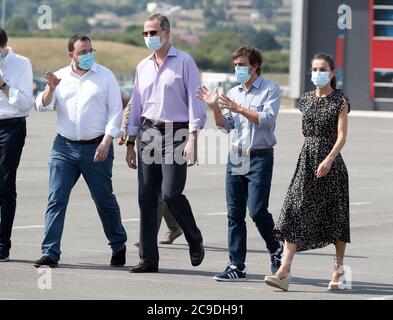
x=16 y=94
x=88 y=102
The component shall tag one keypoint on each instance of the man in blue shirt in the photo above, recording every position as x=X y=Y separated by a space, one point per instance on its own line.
x=250 y=110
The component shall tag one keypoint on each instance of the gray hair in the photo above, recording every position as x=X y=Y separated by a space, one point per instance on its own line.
x=164 y=21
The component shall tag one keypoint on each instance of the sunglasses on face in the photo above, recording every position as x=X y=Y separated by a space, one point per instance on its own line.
x=150 y=33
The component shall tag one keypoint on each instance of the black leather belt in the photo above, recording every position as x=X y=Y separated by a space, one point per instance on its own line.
x=6 y=122
x=163 y=125
x=92 y=141
x=252 y=152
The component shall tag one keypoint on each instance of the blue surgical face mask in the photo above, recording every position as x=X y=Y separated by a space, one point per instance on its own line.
x=153 y=43
x=242 y=74
x=86 y=61
x=320 y=78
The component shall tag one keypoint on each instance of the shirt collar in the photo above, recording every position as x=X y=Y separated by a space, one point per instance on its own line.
x=256 y=84
x=10 y=54
x=94 y=68
x=171 y=53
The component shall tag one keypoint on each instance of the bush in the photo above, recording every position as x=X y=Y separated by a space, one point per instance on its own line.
x=74 y=24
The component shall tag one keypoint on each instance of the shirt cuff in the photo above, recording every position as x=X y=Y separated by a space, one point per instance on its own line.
x=40 y=106
x=133 y=130
x=228 y=126
x=114 y=132
x=264 y=119
x=13 y=95
x=193 y=127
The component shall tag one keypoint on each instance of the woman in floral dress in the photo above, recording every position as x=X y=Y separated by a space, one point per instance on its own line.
x=316 y=208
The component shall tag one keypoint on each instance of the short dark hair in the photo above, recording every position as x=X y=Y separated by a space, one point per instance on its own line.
x=164 y=21
x=74 y=39
x=3 y=38
x=253 y=54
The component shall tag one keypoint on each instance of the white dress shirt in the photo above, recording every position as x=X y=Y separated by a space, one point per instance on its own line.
x=87 y=106
x=17 y=72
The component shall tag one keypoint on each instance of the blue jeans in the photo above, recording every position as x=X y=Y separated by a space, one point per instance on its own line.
x=250 y=189
x=12 y=140
x=67 y=162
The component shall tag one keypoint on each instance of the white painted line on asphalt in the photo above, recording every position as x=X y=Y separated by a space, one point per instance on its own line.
x=353 y=113
x=41 y=226
x=360 y=203
x=382 y=298
x=216 y=214
x=30 y=227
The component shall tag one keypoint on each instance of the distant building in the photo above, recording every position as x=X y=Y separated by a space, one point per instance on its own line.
x=364 y=53
x=154 y=7
x=106 y=19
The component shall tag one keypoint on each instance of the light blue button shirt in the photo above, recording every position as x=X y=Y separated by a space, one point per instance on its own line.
x=264 y=98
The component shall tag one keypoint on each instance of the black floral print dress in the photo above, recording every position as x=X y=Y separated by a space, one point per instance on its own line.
x=316 y=211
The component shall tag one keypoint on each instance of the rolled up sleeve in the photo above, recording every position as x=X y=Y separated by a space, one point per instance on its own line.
x=229 y=123
x=21 y=96
x=268 y=117
x=196 y=107
x=115 y=108
x=40 y=105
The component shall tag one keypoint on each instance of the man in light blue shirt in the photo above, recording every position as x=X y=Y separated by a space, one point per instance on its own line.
x=250 y=110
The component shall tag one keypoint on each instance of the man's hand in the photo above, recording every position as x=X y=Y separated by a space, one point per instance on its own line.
x=51 y=80
x=210 y=97
x=101 y=152
x=229 y=104
x=103 y=149
x=122 y=140
x=131 y=156
x=190 y=153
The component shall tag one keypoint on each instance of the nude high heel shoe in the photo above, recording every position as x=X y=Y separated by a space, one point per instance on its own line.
x=282 y=283
x=339 y=285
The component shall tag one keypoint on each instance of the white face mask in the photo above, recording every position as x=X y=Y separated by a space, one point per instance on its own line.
x=320 y=78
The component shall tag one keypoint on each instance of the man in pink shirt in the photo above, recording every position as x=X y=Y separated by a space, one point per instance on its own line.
x=166 y=117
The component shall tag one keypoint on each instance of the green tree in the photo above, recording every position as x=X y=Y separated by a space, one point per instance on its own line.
x=17 y=24
x=74 y=24
x=284 y=28
x=214 y=51
x=265 y=41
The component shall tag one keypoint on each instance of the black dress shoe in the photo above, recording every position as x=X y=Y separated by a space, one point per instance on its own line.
x=197 y=253
x=143 y=267
x=119 y=258
x=45 y=261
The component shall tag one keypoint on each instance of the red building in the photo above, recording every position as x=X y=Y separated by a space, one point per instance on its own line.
x=363 y=49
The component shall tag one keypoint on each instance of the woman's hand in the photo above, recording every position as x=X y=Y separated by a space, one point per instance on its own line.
x=323 y=168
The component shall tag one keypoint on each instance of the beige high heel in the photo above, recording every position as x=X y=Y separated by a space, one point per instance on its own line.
x=339 y=285
x=283 y=283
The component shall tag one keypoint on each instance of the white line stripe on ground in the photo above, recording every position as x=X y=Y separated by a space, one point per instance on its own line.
x=360 y=203
x=124 y=220
x=29 y=227
x=216 y=214
x=382 y=298
x=41 y=226
x=353 y=113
